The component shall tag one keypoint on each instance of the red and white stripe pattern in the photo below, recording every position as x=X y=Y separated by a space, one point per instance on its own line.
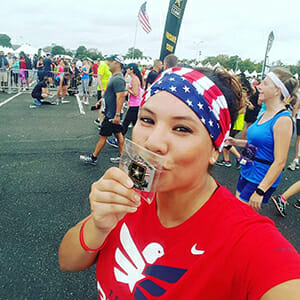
x=143 y=18
x=201 y=95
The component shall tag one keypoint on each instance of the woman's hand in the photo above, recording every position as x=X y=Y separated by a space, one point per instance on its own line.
x=255 y=201
x=235 y=142
x=251 y=106
x=230 y=141
x=111 y=198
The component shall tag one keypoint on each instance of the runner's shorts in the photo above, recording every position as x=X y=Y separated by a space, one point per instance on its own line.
x=247 y=188
x=108 y=128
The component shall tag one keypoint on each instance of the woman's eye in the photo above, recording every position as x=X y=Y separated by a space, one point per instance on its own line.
x=147 y=120
x=183 y=129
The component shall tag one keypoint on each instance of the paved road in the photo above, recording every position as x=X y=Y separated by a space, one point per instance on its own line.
x=44 y=191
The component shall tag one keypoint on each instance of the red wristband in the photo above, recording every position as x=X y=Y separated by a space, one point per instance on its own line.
x=82 y=243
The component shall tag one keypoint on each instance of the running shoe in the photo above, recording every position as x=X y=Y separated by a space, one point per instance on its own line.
x=115 y=160
x=293 y=165
x=237 y=164
x=37 y=102
x=224 y=163
x=112 y=142
x=280 y=205
x=297 y=204
x=97 y=122
x=88 y=159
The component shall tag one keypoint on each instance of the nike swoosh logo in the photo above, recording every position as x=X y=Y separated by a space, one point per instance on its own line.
x=196 y=251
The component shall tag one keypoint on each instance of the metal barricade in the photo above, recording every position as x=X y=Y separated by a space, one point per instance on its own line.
x=20 y=80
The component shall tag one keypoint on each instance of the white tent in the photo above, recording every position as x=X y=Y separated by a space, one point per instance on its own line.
x=296 y=76
x=217 y=65
x=208 y=65
x=67 y=57
x=254 y=73
x=141 y=61
x=7 y=50
x=27 y=49
x=247 y=74
x=199 y=65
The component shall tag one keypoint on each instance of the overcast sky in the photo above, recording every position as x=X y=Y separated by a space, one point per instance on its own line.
x=231 y=27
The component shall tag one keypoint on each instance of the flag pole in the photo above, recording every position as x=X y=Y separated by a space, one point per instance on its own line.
x=134 y=43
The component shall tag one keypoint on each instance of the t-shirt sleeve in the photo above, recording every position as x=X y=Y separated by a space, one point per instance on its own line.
x=119 y=85
x=100 y=70
x=103 y=70
x=268 y=261
x=151 y=77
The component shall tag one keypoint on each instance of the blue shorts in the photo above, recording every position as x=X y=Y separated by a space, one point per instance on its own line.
x=247 y=188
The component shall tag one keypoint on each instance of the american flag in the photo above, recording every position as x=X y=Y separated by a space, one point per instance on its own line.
x=143 y=18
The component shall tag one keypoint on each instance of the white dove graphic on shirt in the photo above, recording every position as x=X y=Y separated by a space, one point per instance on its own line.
x=132 y=271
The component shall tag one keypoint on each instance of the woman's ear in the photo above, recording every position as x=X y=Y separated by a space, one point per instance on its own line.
x=278 y=91
x=214 y=156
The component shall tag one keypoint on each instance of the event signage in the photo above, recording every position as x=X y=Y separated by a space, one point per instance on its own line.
x=269 y=45
x=172 y=27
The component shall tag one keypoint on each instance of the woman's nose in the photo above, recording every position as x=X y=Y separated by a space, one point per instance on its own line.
x=157 y=141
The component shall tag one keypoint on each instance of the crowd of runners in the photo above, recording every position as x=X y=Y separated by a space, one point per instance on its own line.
x=115 y=90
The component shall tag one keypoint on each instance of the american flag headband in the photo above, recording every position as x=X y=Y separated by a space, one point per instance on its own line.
x=200 y=94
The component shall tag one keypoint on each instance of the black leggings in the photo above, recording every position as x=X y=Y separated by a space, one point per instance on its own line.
x=131 y=117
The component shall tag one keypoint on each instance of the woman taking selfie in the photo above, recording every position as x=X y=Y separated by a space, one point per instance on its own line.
x=195 y=240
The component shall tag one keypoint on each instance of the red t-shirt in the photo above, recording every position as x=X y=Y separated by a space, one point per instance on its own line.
x=23 y=63
x=95 y=70
x=224 y=251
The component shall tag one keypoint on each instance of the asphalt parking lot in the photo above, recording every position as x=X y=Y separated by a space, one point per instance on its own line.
x=44 y=191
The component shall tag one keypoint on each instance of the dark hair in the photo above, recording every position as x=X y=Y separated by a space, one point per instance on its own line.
x=246 y=85
x=287 y=78
x=136 y=71
x=229 y=86
x=171 y=60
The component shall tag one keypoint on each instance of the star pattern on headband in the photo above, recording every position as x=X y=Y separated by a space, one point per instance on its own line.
x=186 y=89
x=200 y=105
x=189 y=102
x=173 y=88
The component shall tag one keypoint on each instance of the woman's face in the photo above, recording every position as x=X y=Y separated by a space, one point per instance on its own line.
x=267 y=89
x=129 y=71
x=168 y=127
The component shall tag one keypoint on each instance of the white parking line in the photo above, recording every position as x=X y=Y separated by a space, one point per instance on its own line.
x=9 y=99
x=82 y=112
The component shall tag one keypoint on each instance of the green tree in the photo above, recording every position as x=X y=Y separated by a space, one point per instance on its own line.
x=69 y=53
x=81 y=52
x=222 y=59
x=58 y=50
x=134 y=53
x=5 y=40
x=47 y=49
x=295 y=68
x=247 y=64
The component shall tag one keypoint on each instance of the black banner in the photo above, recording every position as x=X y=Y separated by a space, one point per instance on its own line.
x=172 y=27
x=269 y=46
